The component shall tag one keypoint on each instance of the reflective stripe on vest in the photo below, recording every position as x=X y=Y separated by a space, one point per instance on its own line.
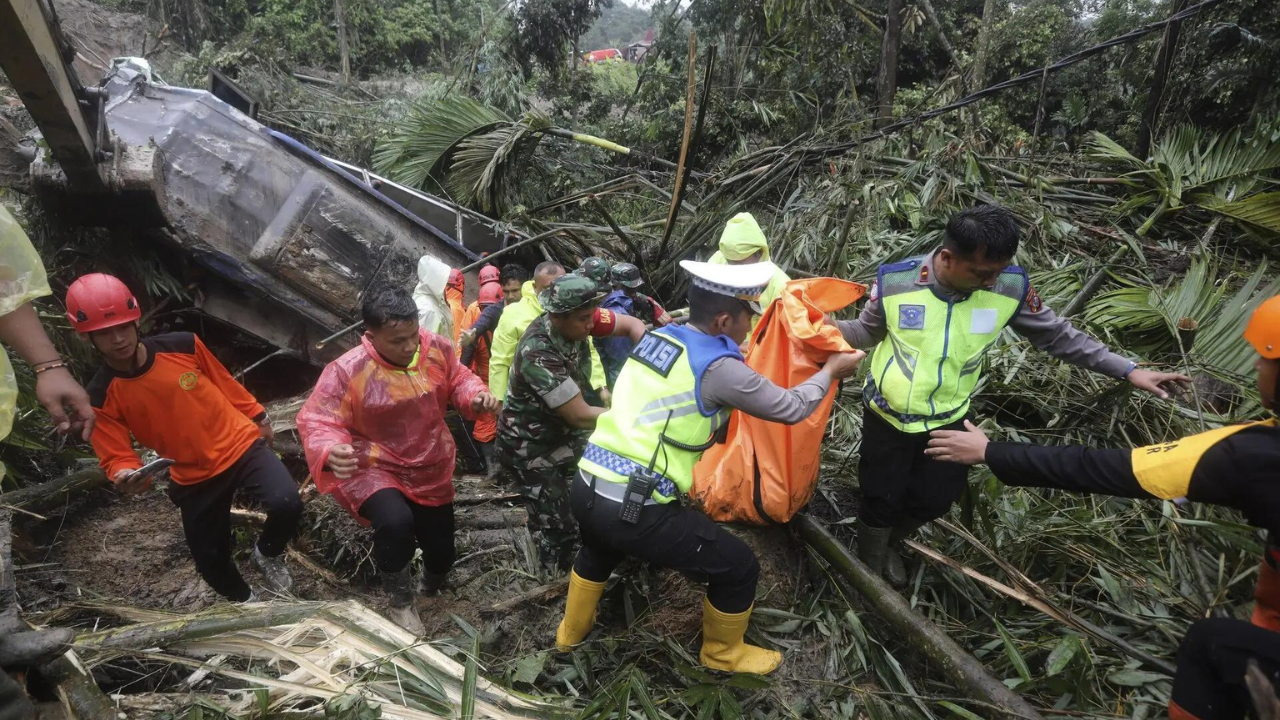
x=921 y=377
x=657 y=393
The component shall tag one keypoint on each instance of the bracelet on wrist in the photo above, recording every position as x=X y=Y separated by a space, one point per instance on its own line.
x=45 y=362
x=47 y=368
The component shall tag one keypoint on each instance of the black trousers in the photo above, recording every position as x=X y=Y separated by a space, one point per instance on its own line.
x=668 y=536
x=206 y=515
x=399 y=524
x=899 y=482
x=470 y=459
x=1212 y=660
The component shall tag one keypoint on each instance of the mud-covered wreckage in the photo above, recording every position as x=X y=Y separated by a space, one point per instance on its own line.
x=291 y=238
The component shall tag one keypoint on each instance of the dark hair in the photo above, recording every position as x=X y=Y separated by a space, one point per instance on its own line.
x=387 y=303
x=512 y=271
x=545 y=266
x=987 y=230
x=705 y=305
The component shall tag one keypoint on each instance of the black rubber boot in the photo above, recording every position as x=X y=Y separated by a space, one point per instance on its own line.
x=432 y=583
x=873 y=544
x=895 y=569
x=399 y=587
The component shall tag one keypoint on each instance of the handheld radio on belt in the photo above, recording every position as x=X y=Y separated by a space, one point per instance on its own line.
x=641 y=482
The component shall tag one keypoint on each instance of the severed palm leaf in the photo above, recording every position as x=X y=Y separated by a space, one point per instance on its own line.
x=420 y=148
x=1261 y=211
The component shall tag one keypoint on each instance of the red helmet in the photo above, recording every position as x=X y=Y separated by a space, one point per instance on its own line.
x=490 y=293
x=97 y=301
x=456 y=279
x=488 y=274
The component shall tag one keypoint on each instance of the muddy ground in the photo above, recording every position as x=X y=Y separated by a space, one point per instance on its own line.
x=107 y=550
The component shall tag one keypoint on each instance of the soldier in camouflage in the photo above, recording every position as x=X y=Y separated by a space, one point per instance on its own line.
x=545 y=422
x=596 y=268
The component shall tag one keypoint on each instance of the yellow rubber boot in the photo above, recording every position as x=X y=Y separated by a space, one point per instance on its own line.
x=723 y=648
x=579 y=611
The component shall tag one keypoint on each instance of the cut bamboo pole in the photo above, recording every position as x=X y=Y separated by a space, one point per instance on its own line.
x=959 y=666
x=169 y=632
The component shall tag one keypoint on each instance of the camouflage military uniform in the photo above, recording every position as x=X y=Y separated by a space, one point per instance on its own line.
x=596 y=268
x=535 y=446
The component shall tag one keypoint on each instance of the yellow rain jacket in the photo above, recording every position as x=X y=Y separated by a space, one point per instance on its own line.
x=22 y=280
x=742 y=238
x=515 y=320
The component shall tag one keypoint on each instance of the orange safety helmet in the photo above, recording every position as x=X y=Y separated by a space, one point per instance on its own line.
x=456 y=280
x=1263 y=330
x=98 y=301
x=490 y=293
x=488 y=274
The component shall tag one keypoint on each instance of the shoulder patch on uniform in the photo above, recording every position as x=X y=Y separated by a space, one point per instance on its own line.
x=1034 y=304
x=899 y=266
x=606 y=316
x=657 y=353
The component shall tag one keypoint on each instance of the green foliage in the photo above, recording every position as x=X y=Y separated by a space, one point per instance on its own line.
x=548 y=30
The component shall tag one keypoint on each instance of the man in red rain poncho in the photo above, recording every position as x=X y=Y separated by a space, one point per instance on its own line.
x=375 y=438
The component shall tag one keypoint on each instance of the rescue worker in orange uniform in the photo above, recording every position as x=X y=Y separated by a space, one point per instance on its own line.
x=1231 y=466
x=172 y=395
x=488 y=275
x=453 y=291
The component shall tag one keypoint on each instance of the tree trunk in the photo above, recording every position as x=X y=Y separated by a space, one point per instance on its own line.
x=984 y=52
x=1164 y=58
x=343 y=50
x=942 y=34
x=887 y=81
x=961 y=668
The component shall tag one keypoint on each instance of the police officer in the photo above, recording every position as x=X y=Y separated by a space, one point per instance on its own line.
x=546 y=419
x=941 y=312
x=1232 y=466
x=672 y=399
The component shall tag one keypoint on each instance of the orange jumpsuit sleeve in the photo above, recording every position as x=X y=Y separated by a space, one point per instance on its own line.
x=112 y=443
x=240 y=398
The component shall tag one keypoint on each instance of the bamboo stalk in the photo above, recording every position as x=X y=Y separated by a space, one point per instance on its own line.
x=168 y=632
x=77 y=689
x=959 y=666
x=678 y=192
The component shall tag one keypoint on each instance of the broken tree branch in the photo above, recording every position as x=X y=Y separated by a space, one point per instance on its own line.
x=53 y=494
x=960 y=667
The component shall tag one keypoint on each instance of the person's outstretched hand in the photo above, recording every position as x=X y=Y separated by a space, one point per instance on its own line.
x=844 y=364
x=58 y=392
x=1156 y=382
x=966 y=447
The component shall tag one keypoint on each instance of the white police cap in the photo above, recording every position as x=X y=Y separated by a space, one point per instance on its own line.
x=745 y=282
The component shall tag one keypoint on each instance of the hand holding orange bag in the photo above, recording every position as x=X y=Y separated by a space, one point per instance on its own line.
x=765 y=472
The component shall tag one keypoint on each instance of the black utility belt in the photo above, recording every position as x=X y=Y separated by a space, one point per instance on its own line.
x=632 y=498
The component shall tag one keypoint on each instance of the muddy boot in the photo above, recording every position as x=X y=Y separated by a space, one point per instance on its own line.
x=873 y=544
x=895 y=570
x=32 y=647
x=20 y=645
x=14 y=703
x=273 y=571
x=400 y=609
x=490 y=460
x=432 y=583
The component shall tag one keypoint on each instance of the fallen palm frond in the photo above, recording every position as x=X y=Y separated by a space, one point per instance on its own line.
x=308 y=654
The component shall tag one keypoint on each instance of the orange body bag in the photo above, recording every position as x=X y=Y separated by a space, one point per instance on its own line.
x=765 y=472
